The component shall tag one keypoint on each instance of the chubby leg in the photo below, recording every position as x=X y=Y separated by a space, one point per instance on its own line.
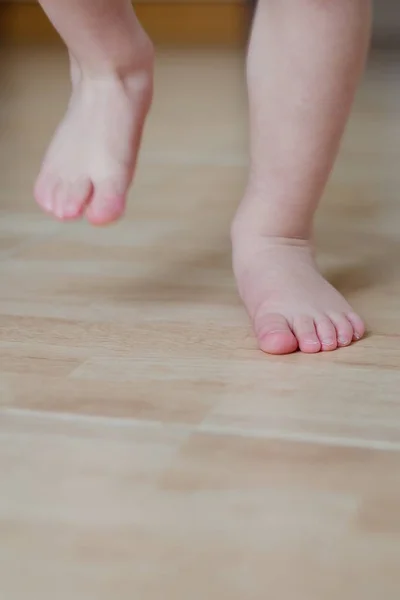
x=304 y=63
x=91 y=160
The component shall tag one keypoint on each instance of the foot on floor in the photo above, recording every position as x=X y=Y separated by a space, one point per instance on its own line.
x=292 y=307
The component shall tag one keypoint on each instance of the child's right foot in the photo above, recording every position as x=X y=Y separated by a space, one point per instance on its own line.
x=290 y=304
x=90 y=163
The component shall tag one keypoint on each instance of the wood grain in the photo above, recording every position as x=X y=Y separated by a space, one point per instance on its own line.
x=147 y=448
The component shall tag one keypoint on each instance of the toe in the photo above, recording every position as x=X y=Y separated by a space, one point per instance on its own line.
x=106 y=210
x=344 y=329
x=326 y=333
x=45 y=191
x=60 y=200
x=304 y=329
x=63 y=199
x=107 y=205
x=274 y=334
x=358 y=325
x=73 y=199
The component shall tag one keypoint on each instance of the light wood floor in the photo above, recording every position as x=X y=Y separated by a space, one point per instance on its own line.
x=147 y=449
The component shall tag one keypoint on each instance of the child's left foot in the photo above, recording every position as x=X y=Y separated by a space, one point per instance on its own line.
x=90 y=163
x=289 y=302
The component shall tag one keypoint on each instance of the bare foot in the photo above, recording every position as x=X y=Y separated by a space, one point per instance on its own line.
x=289 y=302
x=90 y=163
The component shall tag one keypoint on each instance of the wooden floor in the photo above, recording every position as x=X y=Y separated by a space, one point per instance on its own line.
x=147 y=449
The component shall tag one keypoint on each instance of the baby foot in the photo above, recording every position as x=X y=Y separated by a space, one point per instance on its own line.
x=90 y=163
x=289 y=302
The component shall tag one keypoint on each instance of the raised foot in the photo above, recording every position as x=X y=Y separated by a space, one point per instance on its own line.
x=90 y=163
x=292 y=307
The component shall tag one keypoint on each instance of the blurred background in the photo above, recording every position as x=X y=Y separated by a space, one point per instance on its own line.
x=194 y=22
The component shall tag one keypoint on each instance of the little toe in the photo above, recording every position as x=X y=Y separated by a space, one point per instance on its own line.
x=344 y=329
x=358 y=325
x=274 y=334
x=326 y=333
x=304 y=329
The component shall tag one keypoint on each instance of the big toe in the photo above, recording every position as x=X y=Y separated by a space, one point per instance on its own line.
x=107 y=205
x=274 y=334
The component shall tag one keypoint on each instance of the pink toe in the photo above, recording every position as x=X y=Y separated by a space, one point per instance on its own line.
x=78 y=197
x=304 y=330
x=60 y=200
x=274 y=334
x=309 y=345
x=64 y=200
x=105 y=210
x=73 y=212
x=344 y=329
x=278 y=342
x=45 y=191
x=326 y=333
x=357 y=324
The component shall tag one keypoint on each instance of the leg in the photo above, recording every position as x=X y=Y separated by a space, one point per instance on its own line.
x=304 y=62
x=90 y=162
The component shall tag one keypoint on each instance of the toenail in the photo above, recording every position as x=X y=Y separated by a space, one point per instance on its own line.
x=328 y=342
x=357 y=336
x=344 y=342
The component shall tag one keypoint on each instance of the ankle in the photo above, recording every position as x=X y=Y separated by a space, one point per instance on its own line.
x=256 y=217
x=248 y=244
x=134 y=65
